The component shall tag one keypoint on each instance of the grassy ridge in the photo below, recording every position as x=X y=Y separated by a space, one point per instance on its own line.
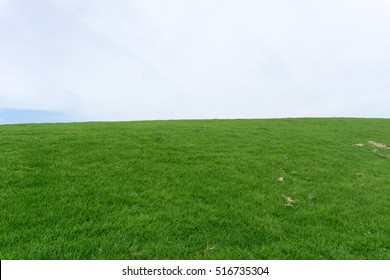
x=213 y=189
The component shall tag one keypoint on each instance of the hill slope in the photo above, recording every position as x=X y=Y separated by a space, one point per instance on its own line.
x=218 y=189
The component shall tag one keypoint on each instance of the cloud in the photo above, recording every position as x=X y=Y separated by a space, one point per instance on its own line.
x=196 y=59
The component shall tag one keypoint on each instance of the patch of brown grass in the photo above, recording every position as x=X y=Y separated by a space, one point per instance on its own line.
x=378 y=145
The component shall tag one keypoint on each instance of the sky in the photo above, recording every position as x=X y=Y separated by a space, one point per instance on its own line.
x=123 y=60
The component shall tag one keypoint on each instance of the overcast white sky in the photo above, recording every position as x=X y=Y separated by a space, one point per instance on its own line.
x=177 y=59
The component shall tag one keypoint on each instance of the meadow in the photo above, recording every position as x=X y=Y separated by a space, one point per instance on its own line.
x=199 y=189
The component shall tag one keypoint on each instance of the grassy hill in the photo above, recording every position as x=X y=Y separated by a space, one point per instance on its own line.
x=215 y=189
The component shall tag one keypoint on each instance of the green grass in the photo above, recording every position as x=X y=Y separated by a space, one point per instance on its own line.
x=196 y=190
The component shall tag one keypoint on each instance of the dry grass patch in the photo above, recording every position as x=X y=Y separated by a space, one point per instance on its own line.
x=378 y=145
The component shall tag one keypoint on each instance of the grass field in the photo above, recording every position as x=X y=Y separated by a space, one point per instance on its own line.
x=215 y=189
